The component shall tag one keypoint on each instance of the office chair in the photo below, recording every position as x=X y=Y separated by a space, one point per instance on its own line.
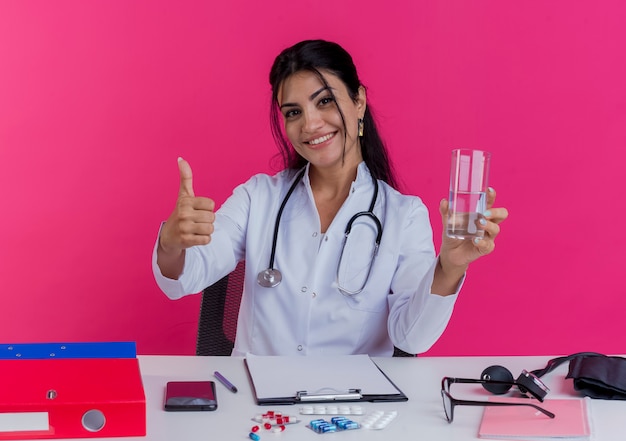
x=219 y=311
x=400 y=353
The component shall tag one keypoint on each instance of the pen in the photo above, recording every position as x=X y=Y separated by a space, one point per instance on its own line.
x=225 y=382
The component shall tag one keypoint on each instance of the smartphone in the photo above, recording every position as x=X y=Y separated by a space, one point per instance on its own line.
x=190 y=396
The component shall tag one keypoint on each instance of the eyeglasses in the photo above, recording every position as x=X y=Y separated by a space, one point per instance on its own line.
x=449 y=402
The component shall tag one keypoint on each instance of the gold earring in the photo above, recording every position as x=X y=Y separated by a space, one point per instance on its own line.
x=361 y=127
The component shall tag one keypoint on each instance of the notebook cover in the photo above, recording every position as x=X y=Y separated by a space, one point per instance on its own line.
x=524 y=422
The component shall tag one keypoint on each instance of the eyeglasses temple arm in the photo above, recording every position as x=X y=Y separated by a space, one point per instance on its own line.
x=495 y=403
x=476 y=381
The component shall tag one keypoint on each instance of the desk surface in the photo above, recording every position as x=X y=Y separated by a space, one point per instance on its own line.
x=420 y=418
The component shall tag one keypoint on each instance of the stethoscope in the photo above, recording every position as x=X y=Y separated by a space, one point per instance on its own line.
x=271 y=277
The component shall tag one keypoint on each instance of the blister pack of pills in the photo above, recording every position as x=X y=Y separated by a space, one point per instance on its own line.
x=378 y=420
x=275 y=419
x=270 y=421
x=336 y=424
x=332 y=410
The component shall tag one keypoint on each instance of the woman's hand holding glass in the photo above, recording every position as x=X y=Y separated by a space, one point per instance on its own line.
x=459 y=253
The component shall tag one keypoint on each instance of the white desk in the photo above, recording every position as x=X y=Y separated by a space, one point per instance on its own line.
x=420 y=418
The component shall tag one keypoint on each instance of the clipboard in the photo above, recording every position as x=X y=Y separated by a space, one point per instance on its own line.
x=278 y=380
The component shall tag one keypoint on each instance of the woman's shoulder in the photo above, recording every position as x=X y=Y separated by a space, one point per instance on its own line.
x=265 y=181
x=395 y=197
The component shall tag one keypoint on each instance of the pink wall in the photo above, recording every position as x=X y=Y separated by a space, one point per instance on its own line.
x=98 y=98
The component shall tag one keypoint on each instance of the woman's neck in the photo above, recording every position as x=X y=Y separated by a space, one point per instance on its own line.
x=330 y=190
x=333 y=182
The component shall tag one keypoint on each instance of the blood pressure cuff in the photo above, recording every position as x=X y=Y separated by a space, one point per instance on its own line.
x=600 y=377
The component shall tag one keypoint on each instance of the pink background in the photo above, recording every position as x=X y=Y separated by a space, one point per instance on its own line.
x=99 y=98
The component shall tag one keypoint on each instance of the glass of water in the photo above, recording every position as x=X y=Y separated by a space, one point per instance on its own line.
x=469 y=173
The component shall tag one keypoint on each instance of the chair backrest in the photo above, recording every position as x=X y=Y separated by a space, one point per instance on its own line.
x=400 y=353
x=219 y=311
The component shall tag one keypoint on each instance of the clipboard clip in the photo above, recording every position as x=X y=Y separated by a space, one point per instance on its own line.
x=350 y=395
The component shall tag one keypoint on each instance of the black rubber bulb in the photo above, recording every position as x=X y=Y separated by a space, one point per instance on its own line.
x=497 y=373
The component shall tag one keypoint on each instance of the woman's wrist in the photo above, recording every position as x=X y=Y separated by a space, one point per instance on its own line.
x=451 y=271
x=447 y=278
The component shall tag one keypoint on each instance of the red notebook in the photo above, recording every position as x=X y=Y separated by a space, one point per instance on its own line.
x=524 y=422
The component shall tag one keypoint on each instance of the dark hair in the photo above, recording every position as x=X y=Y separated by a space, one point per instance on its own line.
x=313 y=56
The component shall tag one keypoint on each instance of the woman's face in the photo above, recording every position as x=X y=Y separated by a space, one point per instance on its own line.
x=313 y=123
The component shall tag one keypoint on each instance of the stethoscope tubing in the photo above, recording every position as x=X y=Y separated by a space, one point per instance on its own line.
x=280 y=214
x=271 y=277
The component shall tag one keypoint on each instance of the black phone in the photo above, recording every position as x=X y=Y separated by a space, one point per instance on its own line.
x=190 y=396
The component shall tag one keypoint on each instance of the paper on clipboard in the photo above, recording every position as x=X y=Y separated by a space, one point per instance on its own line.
x=278 y=379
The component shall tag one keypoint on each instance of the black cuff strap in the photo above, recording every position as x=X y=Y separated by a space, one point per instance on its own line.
x=600 y=377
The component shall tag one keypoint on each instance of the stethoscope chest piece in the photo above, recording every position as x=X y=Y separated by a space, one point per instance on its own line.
x=269 y=278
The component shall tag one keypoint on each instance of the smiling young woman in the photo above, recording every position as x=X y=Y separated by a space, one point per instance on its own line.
x=352 y=266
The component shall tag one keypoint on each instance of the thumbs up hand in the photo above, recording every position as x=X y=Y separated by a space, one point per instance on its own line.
x=191 y=222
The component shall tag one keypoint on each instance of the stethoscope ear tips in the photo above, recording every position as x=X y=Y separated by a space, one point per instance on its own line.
x=497 y=373
x=269 y=278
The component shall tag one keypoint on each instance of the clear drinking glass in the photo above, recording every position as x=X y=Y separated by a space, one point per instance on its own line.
x=469 y=174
